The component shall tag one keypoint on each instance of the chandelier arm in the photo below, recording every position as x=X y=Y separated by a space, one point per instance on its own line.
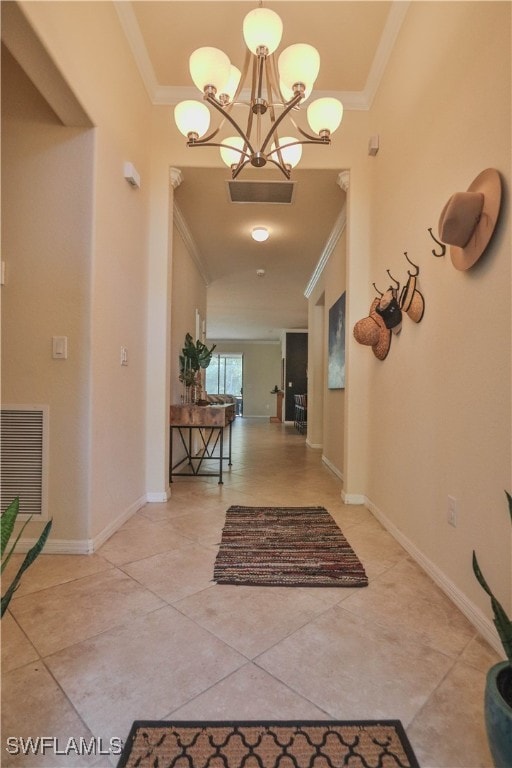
x=273 y=79
x=311 y=139
x=204 y=143
x=233 y=122
x=243 y=76
x=290 y=105
x=237 y=170
x=281 y=167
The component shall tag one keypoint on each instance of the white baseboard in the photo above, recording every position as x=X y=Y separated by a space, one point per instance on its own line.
x=82 y=546
x=153 y=497
x=353 y=498
x=314 y=445
x=466 y=606
x=332 y=467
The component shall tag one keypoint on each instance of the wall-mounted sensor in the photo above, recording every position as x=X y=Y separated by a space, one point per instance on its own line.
x=260 y=272
x=131 y=175
x=373 y=145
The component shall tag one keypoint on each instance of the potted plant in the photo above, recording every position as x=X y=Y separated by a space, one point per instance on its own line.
x=195 y=356
x=8 y=520
x=498 y=689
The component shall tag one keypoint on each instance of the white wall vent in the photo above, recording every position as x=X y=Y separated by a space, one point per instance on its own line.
x=24 y=439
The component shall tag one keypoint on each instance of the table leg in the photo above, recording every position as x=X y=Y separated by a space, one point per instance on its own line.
x=221 y=481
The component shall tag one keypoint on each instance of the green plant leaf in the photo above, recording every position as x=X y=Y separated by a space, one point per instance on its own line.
x=27 y=562
x=13 y=547
x=509 y=498
x=501 y=621
x=7 y=522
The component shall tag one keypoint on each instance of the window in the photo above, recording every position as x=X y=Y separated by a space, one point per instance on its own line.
x=224 y=375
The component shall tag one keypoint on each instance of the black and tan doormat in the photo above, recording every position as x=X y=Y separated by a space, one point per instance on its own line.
x=309 y=744
x=286 y=547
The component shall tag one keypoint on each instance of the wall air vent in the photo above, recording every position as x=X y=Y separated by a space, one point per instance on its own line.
x=24 y=459
x=280 y=192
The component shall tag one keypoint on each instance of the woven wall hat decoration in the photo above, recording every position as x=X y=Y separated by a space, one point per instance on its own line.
x=468 y=219
x=389 y=309
x=372 y=332
x=411 y=300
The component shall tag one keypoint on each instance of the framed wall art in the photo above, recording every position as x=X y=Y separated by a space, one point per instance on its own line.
x=336 y=351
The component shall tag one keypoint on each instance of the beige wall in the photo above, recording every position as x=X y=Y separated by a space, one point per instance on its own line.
x=432 y=420
x=188 y=296
x=87 y=44
x=46 y=245
x=439 y=419
x=261 y=372
x=326 y=407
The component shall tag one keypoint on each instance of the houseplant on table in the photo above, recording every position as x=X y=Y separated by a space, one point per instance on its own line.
x=195 y=357
x=498 y=689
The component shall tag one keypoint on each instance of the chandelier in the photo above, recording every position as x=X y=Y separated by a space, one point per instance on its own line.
x=277 y=90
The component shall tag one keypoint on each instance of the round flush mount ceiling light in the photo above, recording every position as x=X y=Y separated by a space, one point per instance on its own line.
x=260 y=234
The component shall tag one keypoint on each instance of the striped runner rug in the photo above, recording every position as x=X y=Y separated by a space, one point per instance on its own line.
x=286 y=546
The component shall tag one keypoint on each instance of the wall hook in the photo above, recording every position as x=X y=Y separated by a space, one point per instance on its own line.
x=393 y=279
x=377 y=290
x=412 y=274
x=443 y=246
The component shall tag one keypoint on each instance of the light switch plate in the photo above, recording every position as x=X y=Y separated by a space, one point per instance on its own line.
x=60 y=347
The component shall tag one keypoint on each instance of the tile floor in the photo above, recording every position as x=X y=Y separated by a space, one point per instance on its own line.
x=139 y=631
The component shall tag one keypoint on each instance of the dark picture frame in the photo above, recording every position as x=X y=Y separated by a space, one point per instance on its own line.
x=336 y=349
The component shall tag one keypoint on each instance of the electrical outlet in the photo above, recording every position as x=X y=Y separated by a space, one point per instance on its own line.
x=452 y=511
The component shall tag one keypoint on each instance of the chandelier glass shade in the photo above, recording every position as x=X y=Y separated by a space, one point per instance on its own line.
x=277 y=90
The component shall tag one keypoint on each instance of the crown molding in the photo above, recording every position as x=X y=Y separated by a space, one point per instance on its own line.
x=164 y=95
x=387 y=41
x=136 y=42
x=336 y=232
x=190 y=244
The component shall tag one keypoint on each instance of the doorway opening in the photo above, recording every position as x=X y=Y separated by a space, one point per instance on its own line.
x=224 y=376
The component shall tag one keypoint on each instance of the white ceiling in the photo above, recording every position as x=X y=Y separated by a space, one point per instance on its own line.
x=354 y=40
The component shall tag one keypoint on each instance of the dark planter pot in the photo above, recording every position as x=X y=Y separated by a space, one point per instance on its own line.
x=498 y=714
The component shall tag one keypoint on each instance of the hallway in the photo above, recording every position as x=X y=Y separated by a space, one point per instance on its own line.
x=139 y=631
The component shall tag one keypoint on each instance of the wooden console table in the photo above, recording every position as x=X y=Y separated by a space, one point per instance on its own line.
x=209 y=421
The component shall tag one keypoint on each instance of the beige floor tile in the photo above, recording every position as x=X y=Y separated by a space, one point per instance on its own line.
x=375 y=547
x=119 y=651
x=355 y=669
x=17 y=650
x=406 y=599
x=71 y=612
x=50 y=570
x=35 y=706
x=479 y=654
x=252 y=619
x=249 y=694
x=449 y=731
x=203 y=527
x=176 y=574
x=141 y=670
x=139 y=540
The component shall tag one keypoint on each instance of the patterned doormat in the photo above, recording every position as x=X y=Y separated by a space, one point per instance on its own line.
x=310 y=744
x=287 y=547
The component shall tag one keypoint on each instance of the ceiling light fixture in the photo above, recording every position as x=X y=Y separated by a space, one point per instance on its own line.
x=260 y=234
x=276 y=90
